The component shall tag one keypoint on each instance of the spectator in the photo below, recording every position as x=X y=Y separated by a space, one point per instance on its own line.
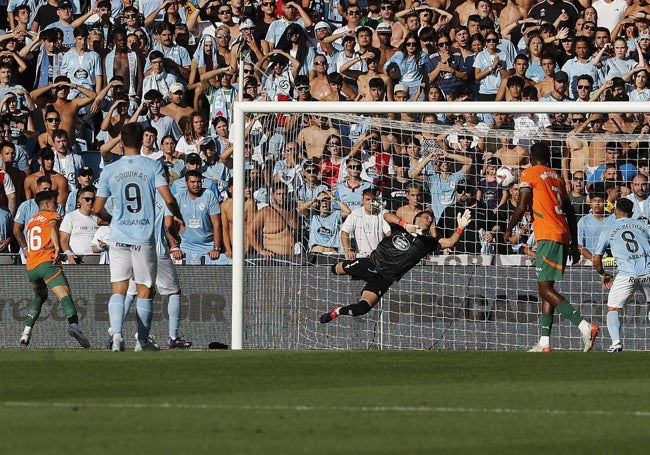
x=8 y=156
x=578 y=195
x=351 y=189
x=411 y=61
x=491 y=65
x=366 y=225
x=272 y=230
x=201 y=239
x=79 y=226
x=325 y=224
x=639 y=196
x=592 y=225
x=85 y=179
x=57 y=182
x=441 y=181
x=159 y=79
x=66 y=163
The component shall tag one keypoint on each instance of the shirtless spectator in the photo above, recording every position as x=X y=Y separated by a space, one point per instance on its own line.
x=56 y=94
x=335 y=82
x=415 y=205
x=273 y=228
x=382 y=41
x=387 y=13
x=59 y=182
x=318 y=84
x=124 y=62
x=312 y=138
x=545 y=86
x=511 y=155
x=177 y=108
x=364 y=81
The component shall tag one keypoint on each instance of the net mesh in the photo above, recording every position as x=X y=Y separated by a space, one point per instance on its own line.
x=482 y=294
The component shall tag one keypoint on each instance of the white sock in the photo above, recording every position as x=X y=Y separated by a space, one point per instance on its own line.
x=584 y=326
x=544 y=341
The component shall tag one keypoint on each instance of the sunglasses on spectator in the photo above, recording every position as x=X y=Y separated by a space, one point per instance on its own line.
x=354 y=168
x=303 y=88
x=224 y=11
x=354 y=13
x=411 y=43
x=248 y=71
x=320 y=63
x=578 y=179
x=578 y=119
x=223 y=36
x=387 y=8
x=52 y=119
x=584 y=87
x=492 y=40
x=334 y=144
x=589 y=27
x=268 y=4
x=442 y=43
x=130 y=16
x=88 y=199
x=311 y=171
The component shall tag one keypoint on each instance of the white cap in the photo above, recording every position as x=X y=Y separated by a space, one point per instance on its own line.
x=400 y=88
x=246 y=24
x=322 y=24
x=175 y=87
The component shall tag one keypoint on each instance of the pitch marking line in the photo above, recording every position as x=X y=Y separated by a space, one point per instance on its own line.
x=415 y=409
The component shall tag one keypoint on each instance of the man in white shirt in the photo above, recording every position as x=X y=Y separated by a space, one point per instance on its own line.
x=366 y=225
x=78 y=227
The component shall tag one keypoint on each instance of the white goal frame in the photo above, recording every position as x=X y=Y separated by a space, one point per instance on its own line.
x=241 y=108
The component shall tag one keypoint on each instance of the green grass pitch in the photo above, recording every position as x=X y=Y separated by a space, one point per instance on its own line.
x=323 y=402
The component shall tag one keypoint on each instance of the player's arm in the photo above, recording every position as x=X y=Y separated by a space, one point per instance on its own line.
x=462 y=220
x=570 y=214
x=392 y=218
x=216 y=232
x=99 y=209
x=525 y=201
x=172 y=205
x=54 y=235
x=173 y=238
x=605 y=278
x=19 y=235
x=65 y=246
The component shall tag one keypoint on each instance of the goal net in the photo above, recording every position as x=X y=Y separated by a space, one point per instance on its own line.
x=482 y=294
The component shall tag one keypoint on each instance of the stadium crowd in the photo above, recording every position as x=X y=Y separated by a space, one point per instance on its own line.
x=72 y=73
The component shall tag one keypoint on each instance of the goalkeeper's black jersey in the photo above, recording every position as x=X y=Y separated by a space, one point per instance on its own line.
x=399 y=253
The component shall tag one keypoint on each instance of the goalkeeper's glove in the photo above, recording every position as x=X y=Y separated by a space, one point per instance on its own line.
x=413 y=229
x=464 y=219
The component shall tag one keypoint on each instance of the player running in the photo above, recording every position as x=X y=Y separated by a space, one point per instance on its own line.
x=43 y=249
x=543 y=193
x=629 y=242
x=394 y=256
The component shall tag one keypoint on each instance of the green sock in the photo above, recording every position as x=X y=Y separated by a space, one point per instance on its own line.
x=568 y=311
x=547 y=324
x=69 y=310
x=34 y=310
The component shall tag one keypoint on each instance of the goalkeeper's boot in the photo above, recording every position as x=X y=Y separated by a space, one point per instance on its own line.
x=26 y=336
x=76 y=333
x=178 y=343
x=117 y=342
x=615 y=348
x=589 y=337
x=539 y=348
x=330 y=315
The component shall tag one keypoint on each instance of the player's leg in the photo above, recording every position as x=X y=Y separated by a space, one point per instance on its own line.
x=375 y=288
x=145 y=266
x=546 y=324
x=121 y=271
x=338 y=268
x=366 y=303
x=58 y=284
x=34 y=310
x=620 y=291
x=550 y=262
x=167 y=283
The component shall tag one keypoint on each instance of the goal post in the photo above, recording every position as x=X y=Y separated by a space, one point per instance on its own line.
x=581 y=279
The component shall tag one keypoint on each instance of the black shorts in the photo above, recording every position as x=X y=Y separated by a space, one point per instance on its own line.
x=364 y=269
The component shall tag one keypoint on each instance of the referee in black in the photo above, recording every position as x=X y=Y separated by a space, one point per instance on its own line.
x=394 y=256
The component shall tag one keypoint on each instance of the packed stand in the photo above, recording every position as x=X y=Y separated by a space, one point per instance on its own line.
x=73 y=73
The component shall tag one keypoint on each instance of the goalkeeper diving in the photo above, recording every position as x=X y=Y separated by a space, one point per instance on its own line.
x=394 y=256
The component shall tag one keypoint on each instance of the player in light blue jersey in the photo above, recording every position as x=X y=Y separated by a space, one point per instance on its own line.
x=629 y=241
x=592 y=224
x=201 y=240
x=132 y=181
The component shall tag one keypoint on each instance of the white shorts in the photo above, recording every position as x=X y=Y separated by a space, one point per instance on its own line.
x=167 y=279
x=133 y=261
x=624 y=288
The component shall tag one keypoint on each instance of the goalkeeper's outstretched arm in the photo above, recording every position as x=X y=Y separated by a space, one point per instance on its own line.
x=463 y=220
